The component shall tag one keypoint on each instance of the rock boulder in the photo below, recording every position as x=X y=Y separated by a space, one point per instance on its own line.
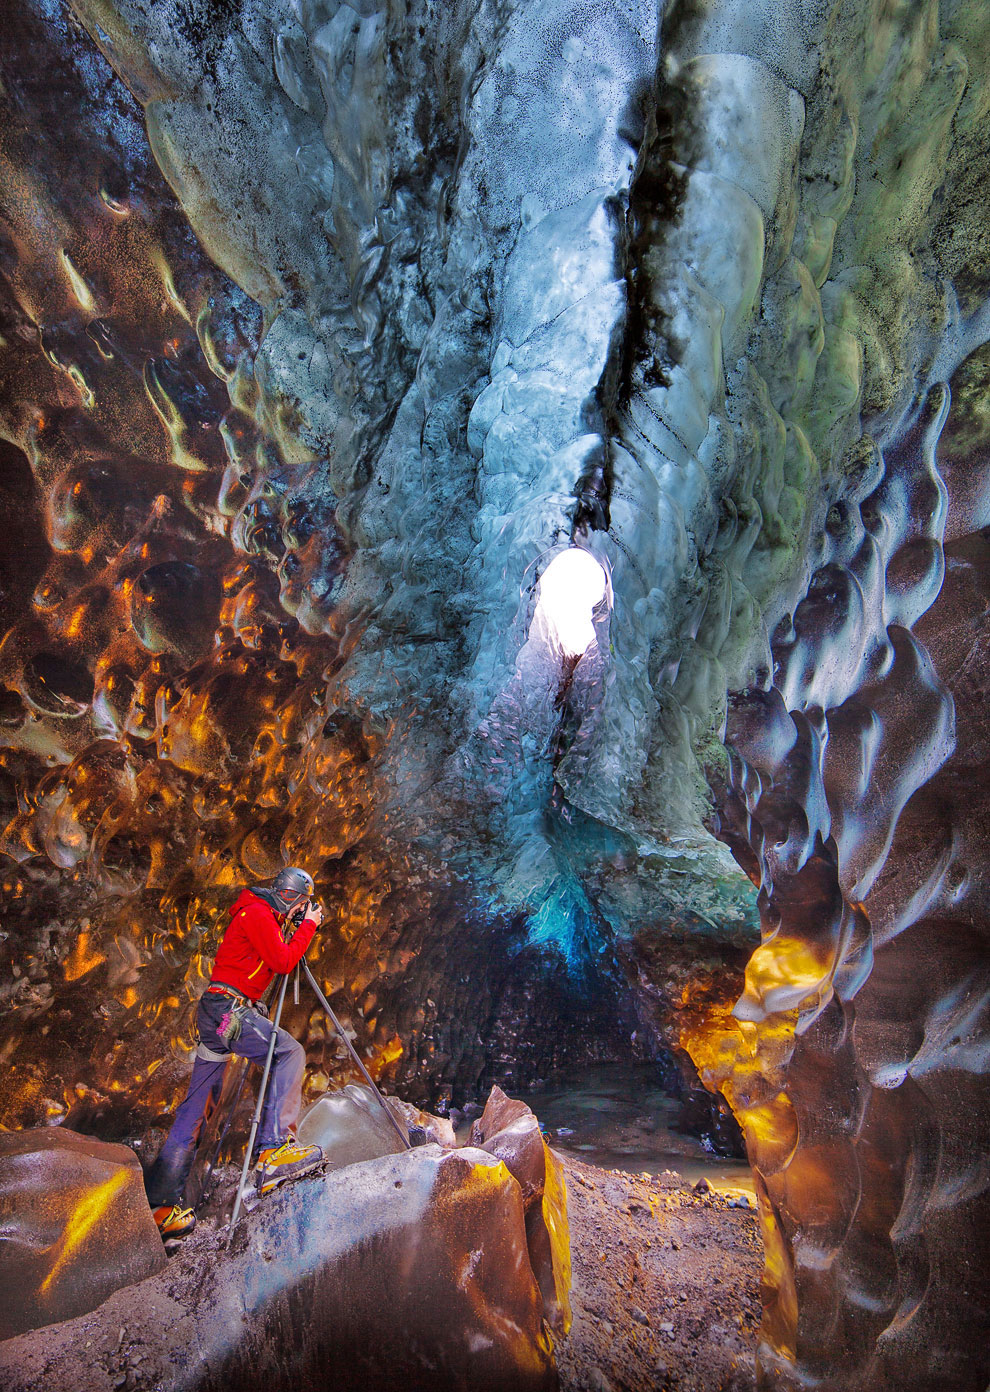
x=410 y=1271
x=74 y=1226
x=509 y=1130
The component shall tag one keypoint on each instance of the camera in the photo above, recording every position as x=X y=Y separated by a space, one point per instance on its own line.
x=296 y=915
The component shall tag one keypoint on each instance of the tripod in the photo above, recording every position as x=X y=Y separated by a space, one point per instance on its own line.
x=256 y=1119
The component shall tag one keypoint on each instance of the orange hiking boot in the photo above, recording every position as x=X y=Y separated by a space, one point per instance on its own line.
x=174 y=1221
x=290 y=1160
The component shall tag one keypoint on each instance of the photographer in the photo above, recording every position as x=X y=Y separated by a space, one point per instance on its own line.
x=230 y=1021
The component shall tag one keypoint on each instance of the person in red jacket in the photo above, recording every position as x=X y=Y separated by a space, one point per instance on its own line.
x=231 y=1021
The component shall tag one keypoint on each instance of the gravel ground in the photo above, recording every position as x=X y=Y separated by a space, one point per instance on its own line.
x=666 y=1284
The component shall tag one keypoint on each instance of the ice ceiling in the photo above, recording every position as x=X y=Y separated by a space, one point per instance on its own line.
x=325 y=329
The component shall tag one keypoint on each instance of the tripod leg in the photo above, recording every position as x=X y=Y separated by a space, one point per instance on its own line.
x=258 y=1109
x=354 y=1055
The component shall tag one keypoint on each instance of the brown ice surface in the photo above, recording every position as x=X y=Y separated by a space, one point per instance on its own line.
x=74 y=1226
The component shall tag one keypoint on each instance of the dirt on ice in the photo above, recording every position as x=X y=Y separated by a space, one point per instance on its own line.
x=666 y=1285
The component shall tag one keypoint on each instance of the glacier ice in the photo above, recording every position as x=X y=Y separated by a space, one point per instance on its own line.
x=290 y=447
x=411 y=1266
x=509 y=1130
x=349 y=1126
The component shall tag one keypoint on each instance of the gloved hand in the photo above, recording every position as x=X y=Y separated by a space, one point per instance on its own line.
x=314 y=912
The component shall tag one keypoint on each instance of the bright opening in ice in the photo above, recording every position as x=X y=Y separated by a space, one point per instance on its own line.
x=570 y=587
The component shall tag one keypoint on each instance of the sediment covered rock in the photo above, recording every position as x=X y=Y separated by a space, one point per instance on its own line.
x=509 y=1130
x=74 y=1226
x=408 y=1271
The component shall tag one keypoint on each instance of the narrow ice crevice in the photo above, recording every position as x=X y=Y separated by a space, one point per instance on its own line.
x=535 y=296
x=551 y=151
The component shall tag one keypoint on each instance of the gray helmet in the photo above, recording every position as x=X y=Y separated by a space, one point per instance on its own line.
x=290 y=886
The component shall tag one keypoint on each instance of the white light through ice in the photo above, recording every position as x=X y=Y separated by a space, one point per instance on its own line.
x=570 y=587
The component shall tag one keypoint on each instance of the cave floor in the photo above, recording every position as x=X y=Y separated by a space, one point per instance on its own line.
x=666 y=1286
x=665 y=1289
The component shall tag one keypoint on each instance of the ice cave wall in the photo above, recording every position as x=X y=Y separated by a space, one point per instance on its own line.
x=466 y=281
x=335 y=720
x=852 y=1055
x=177 y=770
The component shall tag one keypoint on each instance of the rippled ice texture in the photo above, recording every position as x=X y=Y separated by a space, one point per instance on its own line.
x=492 y=277
x=425 y=269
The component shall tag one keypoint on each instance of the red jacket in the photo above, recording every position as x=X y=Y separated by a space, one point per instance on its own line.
x=253 y=950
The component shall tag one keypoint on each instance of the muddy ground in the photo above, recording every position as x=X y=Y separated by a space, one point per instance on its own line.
x=665 y=1290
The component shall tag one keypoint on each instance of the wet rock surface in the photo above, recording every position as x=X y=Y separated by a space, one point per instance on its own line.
x=74 y=1226
x=509 y=1130
x=350 y=1126
x=410 y=1271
